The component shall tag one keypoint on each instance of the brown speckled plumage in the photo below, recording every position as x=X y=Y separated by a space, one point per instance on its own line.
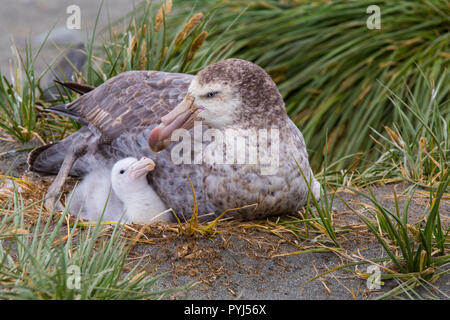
x=256 y=88
x=121 y=113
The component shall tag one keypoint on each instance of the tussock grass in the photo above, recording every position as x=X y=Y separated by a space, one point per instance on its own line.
x=409 y=290
x=423 y=245
x=151 y=41
x=18 y=97
x=320 y=210
x=417 y=146
x=41 y=261
x=418 y=251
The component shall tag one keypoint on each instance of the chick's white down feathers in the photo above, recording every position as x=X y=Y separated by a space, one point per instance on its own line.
x=121 y=193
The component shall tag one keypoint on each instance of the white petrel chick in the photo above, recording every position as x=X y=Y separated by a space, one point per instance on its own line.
x=93 y=197
x=129 y=182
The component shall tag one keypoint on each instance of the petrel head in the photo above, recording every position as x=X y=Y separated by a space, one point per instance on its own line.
x=232 y=92
x=129 y=175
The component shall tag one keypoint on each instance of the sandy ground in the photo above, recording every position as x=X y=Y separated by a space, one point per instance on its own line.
x=248 y=263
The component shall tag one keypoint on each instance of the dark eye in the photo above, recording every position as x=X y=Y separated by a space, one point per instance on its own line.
x=122 y=171
x=212 y=94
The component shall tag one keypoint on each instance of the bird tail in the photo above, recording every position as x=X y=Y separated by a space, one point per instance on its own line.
x=62 y=110
x=79 y=88
x=49 y=158
x=35 y=162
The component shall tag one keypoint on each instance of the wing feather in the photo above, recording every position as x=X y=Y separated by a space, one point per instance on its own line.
x=130 y=99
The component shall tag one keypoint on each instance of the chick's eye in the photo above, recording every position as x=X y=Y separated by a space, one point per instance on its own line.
x=122 y=171
x=212 y=94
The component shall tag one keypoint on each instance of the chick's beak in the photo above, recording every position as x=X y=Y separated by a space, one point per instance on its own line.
x=142 y=167
x=182 y=116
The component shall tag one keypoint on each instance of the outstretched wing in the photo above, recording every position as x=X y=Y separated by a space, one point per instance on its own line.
x=128 y=100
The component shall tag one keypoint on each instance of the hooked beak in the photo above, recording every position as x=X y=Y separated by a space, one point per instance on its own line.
x=142 y=167
x=182 y=116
